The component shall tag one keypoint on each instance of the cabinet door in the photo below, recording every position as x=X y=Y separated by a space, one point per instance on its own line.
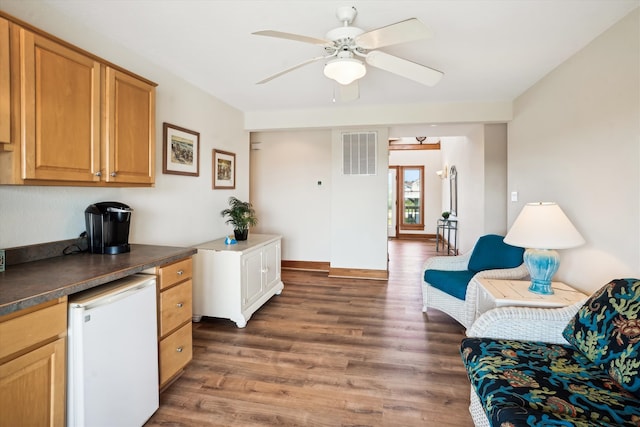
x=32 y=387
x=272 y=264
x=5 y=84
x=251 y=277
x=60 y=117
x=130 y=129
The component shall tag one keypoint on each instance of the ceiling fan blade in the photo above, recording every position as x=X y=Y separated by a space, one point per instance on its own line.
x=400 y=32
x=402 y=67
x=302 y=64
x=349 y=92
x=295 y=37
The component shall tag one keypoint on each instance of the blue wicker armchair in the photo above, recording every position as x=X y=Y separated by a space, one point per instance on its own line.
x=446 y=280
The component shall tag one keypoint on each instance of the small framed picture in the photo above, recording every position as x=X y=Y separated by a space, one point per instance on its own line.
x=180 y=151
x=224 y=170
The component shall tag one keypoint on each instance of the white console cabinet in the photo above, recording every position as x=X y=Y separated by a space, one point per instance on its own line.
x=233 y=281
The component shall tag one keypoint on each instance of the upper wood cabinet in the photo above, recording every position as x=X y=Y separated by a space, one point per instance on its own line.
x=74 y=119
x=5 y=85
x=130 y=129
x=60 y=108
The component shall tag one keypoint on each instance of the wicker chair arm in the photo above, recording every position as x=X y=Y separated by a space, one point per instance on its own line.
x=471 y=297
x=451 y=263
x=519 y=272
x=524 y=323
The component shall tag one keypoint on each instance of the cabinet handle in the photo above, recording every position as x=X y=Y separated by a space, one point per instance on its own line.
x=113 y=174
x=98 y=173
x=179 y=305
x=180 y=272
x=179 y=349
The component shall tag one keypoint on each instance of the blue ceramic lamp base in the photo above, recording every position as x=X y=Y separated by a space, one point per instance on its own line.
x=542 y=265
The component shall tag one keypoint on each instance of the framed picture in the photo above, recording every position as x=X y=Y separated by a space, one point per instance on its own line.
x=180 y=151
x=224 y=170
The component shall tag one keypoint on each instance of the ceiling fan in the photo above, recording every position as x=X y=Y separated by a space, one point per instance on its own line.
x=345 y=45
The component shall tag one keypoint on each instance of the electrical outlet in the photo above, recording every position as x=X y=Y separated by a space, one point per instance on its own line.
x=2 y=260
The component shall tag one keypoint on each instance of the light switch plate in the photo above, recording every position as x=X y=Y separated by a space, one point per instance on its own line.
x=2 y=260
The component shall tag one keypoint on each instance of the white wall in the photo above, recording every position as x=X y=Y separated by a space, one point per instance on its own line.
x=359 y=210
x=285 y=170
x=466 y=154
x=575 y=140
x=410 y=115
x=495 y=179
x=341 y=221
x=180 y=210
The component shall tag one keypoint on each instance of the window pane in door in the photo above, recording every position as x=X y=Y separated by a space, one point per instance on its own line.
x=412 y=196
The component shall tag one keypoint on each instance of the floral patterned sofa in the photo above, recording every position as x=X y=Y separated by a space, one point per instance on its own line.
x=575 y=366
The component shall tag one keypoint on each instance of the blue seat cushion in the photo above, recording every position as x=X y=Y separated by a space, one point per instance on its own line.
x=453 y=283
x=491 y=252
x=523 y=383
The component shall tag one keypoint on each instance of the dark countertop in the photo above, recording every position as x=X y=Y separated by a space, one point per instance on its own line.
x=31 y=283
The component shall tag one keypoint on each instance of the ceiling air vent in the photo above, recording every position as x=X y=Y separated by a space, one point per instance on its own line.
x=359 y=153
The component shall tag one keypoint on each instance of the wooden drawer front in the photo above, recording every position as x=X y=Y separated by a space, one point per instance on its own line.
x=21 y=332
x=175 y=307
x=174 y=273
x=175 y=352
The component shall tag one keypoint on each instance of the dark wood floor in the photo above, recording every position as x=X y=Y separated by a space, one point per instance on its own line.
x=328 y=352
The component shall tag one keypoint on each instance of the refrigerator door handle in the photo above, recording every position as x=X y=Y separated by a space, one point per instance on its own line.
x=110 y=298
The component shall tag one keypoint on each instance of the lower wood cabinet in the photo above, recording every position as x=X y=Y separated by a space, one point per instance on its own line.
x=174 y=319
x=33 y=365
x=233 y=281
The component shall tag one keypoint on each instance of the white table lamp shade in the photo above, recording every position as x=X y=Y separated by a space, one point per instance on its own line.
x=543 y=225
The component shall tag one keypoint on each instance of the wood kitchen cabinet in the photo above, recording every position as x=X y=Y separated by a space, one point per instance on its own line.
x=233 y=281
x=60 y=108
x=174 y=319
x=33 y=365
x=129 y=142
x=5 y=85
x=74 y=119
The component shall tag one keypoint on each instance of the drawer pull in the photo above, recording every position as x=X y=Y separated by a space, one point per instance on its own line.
x=180 y=272
x=179 y=349
x=179 y=305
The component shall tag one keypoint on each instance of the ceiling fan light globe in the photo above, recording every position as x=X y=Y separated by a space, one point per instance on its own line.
x=345 y=70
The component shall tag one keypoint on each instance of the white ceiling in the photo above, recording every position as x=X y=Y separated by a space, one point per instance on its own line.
x=489 y=50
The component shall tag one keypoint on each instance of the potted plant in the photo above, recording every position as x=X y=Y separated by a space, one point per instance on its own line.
x=446 y=214
x=241 y=215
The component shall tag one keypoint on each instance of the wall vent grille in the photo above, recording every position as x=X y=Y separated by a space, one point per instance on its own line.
x=359 y=153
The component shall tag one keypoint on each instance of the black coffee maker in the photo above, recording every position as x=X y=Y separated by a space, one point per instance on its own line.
x=108 y=227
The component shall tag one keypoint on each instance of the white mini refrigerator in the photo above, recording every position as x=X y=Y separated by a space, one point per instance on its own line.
x=112 y=357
